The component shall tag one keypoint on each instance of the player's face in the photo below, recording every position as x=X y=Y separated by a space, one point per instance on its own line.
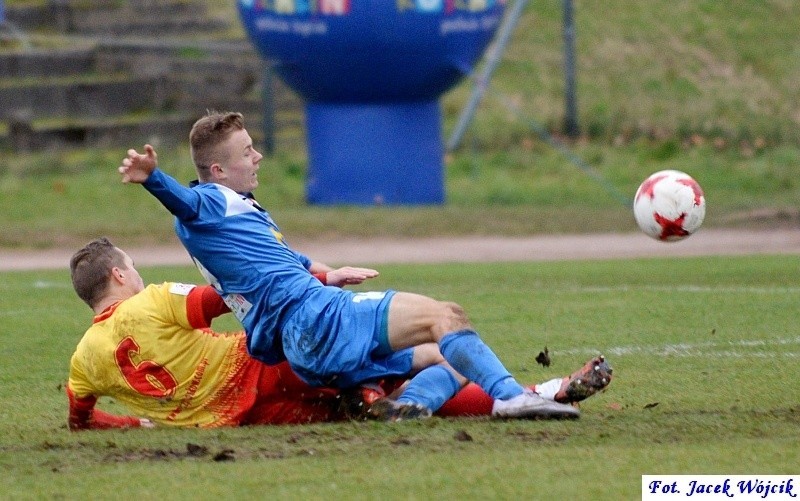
x=132 y=277
x=239 y=171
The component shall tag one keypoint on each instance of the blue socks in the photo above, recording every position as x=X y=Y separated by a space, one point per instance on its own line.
x=473 y=359
x=432 y=387
x=469 y=356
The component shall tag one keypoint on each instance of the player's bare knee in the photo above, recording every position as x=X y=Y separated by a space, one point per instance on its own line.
x=453 y=318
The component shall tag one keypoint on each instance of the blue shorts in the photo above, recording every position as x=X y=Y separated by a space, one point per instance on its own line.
x=344 y=342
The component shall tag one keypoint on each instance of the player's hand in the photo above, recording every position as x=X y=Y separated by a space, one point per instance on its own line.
x=137 y=167
x=146 y=423
x=349 y=276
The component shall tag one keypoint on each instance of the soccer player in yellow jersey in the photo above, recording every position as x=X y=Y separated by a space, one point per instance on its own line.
x=152 y=349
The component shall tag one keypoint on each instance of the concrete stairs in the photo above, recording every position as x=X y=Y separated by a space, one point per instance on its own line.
x=106 y=73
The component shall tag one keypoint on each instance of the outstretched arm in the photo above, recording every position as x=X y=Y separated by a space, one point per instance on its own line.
x=141 y=168
x=84 y=416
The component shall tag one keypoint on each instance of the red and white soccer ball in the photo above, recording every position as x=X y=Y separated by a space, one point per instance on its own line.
x=669 y=206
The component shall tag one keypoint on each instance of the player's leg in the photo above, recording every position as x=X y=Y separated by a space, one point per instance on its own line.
x=283 y=398
x=593 y=377
x=470 y=401
x=283 y=411
x=434 y=382
x=415 y=319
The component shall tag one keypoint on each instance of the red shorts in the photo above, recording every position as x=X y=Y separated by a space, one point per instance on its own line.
x=283 y=398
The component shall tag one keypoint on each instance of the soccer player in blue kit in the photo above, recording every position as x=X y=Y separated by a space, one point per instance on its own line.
x=329 y=335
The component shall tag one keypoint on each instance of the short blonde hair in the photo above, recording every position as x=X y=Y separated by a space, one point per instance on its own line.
x=207 y=134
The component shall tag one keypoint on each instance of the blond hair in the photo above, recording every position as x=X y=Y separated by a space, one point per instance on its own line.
x=207 y=134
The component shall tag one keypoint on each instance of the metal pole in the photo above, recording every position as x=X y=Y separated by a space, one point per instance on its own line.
x=563 y=148
x=481 y=84
x=571 y=110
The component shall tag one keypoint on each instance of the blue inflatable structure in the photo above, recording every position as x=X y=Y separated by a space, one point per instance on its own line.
x=371 y=73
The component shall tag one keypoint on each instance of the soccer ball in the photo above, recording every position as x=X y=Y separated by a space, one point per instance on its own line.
x=669 y=206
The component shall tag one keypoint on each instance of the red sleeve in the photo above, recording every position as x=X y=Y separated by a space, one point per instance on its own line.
x=83 y=415
x=203 y=305
x=322 y=277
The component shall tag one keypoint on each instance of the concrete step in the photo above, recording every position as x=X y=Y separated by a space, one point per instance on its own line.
x=152 y=26
x=45 y=63
x=107 y=132
x=116 y=73
x=114 y=17
x=88 y=96
x=134 y=129
x=230 y=68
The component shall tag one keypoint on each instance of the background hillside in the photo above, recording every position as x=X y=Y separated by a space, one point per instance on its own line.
x=707 y=87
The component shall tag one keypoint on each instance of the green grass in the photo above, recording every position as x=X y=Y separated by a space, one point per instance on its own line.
x=665 y=69
x=720 y=70
x=699 y=86
x=66 y=198
x=704 y=349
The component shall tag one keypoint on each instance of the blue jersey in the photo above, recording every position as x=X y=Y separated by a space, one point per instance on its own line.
x=325 y=332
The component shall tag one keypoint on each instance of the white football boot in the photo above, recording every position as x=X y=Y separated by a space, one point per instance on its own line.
x=530 y=405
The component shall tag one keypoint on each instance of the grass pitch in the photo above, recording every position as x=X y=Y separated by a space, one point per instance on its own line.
x=705 y=352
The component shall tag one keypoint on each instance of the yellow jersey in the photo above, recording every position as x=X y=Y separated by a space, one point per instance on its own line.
x=156 y=354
